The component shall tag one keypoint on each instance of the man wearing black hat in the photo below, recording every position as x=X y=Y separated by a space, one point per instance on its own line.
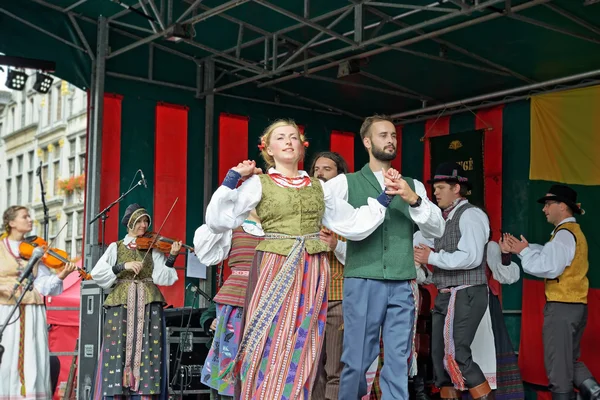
x=563 y=263
x=460 y=275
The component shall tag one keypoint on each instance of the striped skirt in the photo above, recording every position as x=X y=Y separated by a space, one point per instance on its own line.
x=284 y=327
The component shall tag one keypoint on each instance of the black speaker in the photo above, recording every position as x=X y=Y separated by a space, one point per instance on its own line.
x=91 y=317
x=187 y=353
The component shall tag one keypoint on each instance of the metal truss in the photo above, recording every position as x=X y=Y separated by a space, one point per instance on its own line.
x=285 y=59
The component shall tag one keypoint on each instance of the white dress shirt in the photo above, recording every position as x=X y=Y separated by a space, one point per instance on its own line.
x=427 y=216
x=46 y=282
x=228 y=208
x=550 y=260
x=104 y=276
x=474 y=230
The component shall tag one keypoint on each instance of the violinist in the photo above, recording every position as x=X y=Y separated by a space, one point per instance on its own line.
x=133 y=360
x=25 y=339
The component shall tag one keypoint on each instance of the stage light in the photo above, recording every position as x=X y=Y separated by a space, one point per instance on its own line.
x=15 y=79
x=43 y=82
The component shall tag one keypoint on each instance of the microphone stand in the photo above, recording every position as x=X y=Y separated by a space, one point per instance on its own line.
x=10 y=315
x=104 y=214
x=38 y=172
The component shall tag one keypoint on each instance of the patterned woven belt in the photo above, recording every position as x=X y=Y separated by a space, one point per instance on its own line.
x=136 y=302
x=271 y=236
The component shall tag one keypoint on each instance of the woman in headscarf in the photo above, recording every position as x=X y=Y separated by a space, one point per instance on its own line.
x=132 y=362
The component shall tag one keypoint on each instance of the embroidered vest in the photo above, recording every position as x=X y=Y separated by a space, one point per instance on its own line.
x=572 y=285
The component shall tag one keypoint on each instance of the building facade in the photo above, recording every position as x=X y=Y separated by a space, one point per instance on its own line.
x=43 y=139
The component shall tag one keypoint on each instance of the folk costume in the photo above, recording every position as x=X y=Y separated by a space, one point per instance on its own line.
x=563 y=263
x=509 y=384
x=380 y=286
x=25 y=369
x=283 y=335
x=328 y=377
x=238 y=246
x=461 y=305
x=133 y=359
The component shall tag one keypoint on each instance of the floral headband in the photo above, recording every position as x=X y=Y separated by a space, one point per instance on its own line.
x=262 y=144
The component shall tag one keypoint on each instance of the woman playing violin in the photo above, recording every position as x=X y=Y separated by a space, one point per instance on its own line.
x=25 y=339
x=133 y=360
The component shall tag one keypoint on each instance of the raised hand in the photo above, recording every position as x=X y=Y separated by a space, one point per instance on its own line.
x=247 y=168
x=516 y=245
x=399 y=187
x=503 y=242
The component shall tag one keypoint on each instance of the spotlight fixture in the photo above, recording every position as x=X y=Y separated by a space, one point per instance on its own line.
x=15 y=79
x=43 y=82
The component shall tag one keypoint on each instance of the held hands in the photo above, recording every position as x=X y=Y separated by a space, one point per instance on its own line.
x=69 y=267
x=175 y=247
x=326 y=236
x=503 y=243
x=396 y=185
x=515 y=245
x=135 y=266
x=421 y=254
x=247 y=168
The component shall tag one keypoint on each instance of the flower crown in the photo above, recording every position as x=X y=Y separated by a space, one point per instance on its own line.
x=262 y=144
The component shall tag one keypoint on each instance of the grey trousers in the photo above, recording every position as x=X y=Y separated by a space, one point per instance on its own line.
x=470 y=307
x=564 y=324
x=373 y=309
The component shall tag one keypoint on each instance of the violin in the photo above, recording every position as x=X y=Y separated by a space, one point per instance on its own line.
x=52 y=258
x=158 y=242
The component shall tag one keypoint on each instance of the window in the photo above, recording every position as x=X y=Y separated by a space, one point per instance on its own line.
x=56 y=176
x=57 y=150
x=70 y=222
x=45 y=175
x=78 y=247
x=9 y=165
x=69 y=105
x=53 y=228
x=23 y=113
x=8 y=192
x=31 y=113
x=68 y=246
x=72 y=166
x=82 y=142
x=30 y=156
x=29 y=187
x=0 y=128
x=58 y=104
x=81 y=164
x=79 y=223
x=20 y=164
x=19 y=182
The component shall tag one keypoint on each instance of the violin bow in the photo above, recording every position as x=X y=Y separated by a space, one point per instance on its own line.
x=159 y=229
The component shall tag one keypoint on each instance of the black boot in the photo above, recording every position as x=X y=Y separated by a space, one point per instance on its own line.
x=590 y=389
x=419 y=386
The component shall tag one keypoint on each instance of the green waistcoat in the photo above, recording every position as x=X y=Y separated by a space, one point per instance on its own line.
x=118 y=296
x=290 y=211
x=388 y=252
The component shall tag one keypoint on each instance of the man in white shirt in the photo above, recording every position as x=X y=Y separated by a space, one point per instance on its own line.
x=563 y=263
x=460 y=276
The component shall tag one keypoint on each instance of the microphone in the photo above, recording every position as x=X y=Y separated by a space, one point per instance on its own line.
x=143 y=179
x=195 y=289
x=38 y=253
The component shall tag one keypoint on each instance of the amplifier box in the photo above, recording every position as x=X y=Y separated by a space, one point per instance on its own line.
x=187 y=352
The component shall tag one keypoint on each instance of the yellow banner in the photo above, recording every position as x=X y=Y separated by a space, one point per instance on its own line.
x=565 y=136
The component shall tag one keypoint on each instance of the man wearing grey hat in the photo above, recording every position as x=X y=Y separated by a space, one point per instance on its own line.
x=563 y=263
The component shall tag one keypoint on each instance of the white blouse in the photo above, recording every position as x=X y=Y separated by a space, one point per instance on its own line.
x=103 y=274
x=228 y=208
x=212 y=248
x=46 y=282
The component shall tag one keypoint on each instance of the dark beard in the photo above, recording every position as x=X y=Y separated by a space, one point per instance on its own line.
x=381 y=155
